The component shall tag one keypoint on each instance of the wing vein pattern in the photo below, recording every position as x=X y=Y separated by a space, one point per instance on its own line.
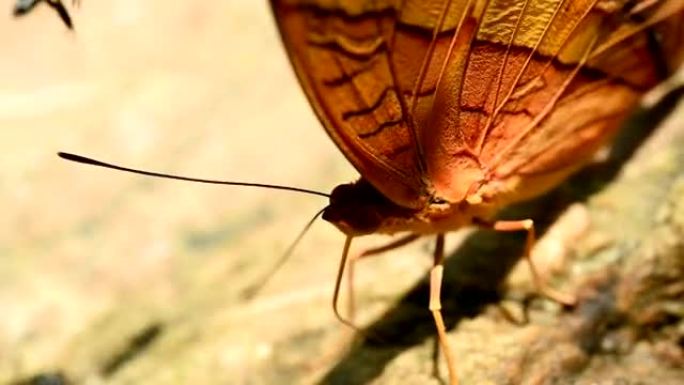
x=442 y=99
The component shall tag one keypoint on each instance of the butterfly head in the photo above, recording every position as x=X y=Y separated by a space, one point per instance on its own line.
x=360 y=209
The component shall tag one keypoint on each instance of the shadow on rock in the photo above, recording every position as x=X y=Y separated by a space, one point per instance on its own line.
x=475 y=272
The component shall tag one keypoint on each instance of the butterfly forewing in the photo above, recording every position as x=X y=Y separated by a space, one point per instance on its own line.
x=500 y=99
x=341 y=54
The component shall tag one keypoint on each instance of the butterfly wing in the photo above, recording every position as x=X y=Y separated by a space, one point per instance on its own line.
x=441 y=97
x=359 y=62
x=538 y=86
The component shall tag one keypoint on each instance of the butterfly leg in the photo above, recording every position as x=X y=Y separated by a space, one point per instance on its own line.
x=527 y=225
x=395 y=244
x=349 y=261
x=436 y=274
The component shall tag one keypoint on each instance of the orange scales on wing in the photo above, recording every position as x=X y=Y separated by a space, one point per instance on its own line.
x=452 y=110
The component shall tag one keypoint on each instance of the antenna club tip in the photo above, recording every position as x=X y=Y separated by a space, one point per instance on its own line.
x=68 y=156
x=78 y=158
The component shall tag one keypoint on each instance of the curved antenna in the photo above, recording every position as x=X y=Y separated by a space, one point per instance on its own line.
x=93 y=162
x=255 y=289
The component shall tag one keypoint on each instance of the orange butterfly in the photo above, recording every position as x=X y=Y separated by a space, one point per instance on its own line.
x=451 y=110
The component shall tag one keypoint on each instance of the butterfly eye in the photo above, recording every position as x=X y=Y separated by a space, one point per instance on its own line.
x=341 y=194
x=351 y=210
x=354 y=219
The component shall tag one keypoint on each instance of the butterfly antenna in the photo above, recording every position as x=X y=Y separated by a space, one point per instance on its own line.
x=93 y=162
x=255 y=289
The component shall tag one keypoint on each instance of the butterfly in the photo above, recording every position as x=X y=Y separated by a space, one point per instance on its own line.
x=22 y=7
x=452 y=110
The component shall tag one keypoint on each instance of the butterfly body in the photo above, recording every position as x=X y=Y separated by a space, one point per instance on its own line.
x=359 y=209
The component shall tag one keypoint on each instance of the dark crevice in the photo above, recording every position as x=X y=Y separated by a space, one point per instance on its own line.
x=46 y=378
x=137 y=345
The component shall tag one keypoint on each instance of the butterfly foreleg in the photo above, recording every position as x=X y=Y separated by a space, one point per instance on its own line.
x=436 y=275
x=540 y=283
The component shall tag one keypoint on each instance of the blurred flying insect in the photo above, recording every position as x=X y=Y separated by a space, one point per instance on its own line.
x=23 y=7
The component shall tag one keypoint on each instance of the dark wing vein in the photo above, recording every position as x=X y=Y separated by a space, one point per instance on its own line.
x=523 y=69
x=418 y=84
x=345 y=78
x=499 y=79
x=467 y=11
x=368 y=109
x=549 y=106
x=406 y=113
x=568 y=136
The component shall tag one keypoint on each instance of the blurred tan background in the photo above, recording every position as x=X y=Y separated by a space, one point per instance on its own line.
x=89 y=257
